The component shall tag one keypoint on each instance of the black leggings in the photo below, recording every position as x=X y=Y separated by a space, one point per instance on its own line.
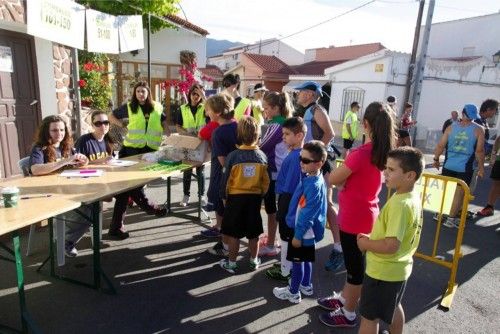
x=353 y=258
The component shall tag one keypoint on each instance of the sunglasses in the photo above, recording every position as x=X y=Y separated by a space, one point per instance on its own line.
x=100 y=123
x=306 y=161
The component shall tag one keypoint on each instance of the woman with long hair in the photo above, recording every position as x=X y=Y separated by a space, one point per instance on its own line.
x=277 y=108
x=53 y=151
x=146 y=125
x=190 y=119
x=360 y=181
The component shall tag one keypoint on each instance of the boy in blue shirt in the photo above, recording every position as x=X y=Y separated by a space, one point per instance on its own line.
x=294 y=132
x=307 y=217
x=390 y=246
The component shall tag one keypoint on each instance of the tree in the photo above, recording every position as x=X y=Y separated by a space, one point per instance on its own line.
x=136 y=7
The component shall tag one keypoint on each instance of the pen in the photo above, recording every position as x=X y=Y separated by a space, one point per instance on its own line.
x=36 y=196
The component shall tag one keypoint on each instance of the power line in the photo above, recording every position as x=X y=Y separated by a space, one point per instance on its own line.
x=313 y=26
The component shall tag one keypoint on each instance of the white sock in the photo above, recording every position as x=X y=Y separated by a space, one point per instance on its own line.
x=341 y=298
x=337 y=246
x=226 y=247
x=349 y=315
x=286 y=265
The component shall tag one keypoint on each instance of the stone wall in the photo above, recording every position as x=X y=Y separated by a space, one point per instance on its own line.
x=62 y=76
x=12 y=11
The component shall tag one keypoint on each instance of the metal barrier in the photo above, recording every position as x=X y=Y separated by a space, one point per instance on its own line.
x=447 y=187
x=437 y=194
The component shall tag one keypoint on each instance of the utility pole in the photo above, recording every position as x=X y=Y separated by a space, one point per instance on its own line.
x=414 y=50
x=149 y=50
x=417 y=88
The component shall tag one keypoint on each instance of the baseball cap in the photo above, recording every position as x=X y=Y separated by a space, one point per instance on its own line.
x=259 y=88
x=470 y=110
x=310 y=85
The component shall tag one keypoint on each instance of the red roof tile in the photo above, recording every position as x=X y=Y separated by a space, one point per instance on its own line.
x=315 y=67
x=346 y=52
x=270 y=64
x=186 y=24
x=212 y=71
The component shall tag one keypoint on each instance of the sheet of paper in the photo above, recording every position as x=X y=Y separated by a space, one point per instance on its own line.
x=82 y=172
x=121 y=163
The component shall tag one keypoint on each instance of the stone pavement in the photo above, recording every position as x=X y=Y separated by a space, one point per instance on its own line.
x=168 y=283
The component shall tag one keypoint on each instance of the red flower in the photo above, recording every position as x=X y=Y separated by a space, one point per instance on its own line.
x=88 y=67
x=82 y=83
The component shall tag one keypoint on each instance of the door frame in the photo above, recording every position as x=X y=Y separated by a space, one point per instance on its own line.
x=36 y=83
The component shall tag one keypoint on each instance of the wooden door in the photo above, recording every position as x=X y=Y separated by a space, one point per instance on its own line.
x=19 y=99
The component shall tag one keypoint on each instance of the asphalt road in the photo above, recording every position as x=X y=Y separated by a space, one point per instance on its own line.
x=168 y=283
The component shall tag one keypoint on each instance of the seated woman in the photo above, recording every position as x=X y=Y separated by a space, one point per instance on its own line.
x=53 y=151
x=98 y=145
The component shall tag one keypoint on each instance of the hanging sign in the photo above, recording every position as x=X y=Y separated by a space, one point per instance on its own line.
x=131 y=33
x=6 y=64
x=60 y=21
x=102 y=32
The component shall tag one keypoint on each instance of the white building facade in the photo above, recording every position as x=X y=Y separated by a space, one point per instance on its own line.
x=459 y=70
x=269 y=47
x=365 y=80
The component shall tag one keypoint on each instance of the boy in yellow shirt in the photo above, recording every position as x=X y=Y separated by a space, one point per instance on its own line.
x=392 y=243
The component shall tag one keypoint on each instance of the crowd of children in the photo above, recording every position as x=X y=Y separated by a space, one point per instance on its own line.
x=286 y=162
x=290 y=160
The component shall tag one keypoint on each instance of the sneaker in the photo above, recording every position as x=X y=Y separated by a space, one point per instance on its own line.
x=285 y=294
x=224 y=264
x=275 y=273
x=157 y=210
x=218 y=249
x=486 y=211
x=306 y=290
x=70 y=250
x=185 y=201
x=336 y=319
x=208 y=207
x=254 y=265
x=452 y=222
x=330 y=303
x=211 y=232
x=268 y=251
x=335 y=261
x=436 y=217
x=119 y=234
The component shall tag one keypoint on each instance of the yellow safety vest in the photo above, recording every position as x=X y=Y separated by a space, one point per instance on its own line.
x=257 y=112
x=239 y=111
x=138 y=135
x=190 y=123
x=354 y=126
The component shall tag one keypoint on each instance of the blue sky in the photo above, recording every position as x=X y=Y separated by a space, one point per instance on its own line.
x=391 y=22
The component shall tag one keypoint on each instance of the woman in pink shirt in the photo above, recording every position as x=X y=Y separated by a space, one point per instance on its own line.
x=360 y=181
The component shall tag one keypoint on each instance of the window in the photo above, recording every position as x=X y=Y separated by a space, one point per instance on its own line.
x=350 y=95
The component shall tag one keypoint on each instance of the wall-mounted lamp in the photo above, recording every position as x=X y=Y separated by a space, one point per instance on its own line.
x=496 y=61
x=134 y=52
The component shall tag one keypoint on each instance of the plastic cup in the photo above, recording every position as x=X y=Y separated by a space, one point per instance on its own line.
x=10 y=196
